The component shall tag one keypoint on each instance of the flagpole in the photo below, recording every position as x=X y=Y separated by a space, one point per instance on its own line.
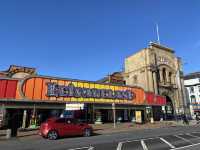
x=158 y=38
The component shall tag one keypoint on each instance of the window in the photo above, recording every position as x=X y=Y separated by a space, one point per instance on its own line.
x=199 y=88
x=164 y=75
x=191 y=89
x=193 y=99
x=61 y=120
x=135 y=79
x=159 y=75
x=170 y=77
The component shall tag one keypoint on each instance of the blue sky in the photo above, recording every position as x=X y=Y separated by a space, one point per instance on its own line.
x=88 y=39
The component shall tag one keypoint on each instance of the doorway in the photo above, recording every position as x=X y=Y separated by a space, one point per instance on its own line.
x=14 y=117
x=169 y=109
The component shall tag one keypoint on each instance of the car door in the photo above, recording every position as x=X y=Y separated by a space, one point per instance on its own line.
x=69 y=127
x=77 y=127
x=60 y=126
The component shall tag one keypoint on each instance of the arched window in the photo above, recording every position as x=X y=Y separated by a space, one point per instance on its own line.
x=159 y=75
x=170 y=77
x=191 y=89
x=164 y=75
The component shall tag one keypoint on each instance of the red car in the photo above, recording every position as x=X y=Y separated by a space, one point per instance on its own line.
x=60 y=127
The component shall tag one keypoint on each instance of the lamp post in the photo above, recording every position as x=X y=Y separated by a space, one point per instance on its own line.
x=114 y=115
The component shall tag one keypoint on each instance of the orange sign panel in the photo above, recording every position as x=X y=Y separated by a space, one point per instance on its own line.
x=54 y=89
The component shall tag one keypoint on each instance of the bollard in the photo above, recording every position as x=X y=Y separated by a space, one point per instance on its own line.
x=152 y=120
x=8 y=133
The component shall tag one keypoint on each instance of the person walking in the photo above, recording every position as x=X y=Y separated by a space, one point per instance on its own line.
x=185 y=119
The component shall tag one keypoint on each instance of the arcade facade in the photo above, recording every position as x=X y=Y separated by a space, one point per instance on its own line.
x=27 y=99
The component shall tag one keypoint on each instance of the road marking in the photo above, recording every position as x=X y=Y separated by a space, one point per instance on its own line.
x=195 y=132
x=186 y=146
x=192 y=135
x=170 y=145
x=126 y=141
x=78 y=148
x=144 y=146
x=183 y=138
x=89 y=148
x=119 y=146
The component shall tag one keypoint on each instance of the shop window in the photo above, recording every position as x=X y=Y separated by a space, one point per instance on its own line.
x=193 y=99
x=169 y=109
x=191 y=89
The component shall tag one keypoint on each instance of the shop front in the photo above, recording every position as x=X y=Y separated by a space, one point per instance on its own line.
x=40 y=97
x=156 y=107
x=31 y=100
x=97 y=98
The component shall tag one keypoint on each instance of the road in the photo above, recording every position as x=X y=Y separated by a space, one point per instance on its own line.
x=183 y=138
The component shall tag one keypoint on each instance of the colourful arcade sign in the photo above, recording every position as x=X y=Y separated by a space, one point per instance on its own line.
x=56 y=90
x=66 y=90
x=49 y=89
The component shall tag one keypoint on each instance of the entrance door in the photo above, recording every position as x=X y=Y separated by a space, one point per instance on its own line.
x=157 y=112
x=169 y=108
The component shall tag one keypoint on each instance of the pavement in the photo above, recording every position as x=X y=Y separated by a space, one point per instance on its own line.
x=122 y=127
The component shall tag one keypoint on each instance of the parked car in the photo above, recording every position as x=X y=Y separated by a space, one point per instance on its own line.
x=59 y=127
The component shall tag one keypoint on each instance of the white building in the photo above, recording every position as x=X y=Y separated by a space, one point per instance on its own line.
x=192 y=85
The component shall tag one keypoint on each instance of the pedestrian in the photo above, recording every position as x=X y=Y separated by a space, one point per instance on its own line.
x=185 y=119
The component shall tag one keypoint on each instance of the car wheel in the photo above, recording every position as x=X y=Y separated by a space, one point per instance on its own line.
x=87 y=132
x=52 y=135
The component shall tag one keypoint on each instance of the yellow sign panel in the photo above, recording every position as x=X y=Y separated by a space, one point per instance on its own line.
x=138 y=116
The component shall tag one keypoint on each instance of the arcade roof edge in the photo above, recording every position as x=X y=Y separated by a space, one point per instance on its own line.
x=77 y=80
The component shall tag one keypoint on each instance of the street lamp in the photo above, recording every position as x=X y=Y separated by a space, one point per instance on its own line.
x=114 y=115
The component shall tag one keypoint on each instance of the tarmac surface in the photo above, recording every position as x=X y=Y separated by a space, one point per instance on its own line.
x=155 y=137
